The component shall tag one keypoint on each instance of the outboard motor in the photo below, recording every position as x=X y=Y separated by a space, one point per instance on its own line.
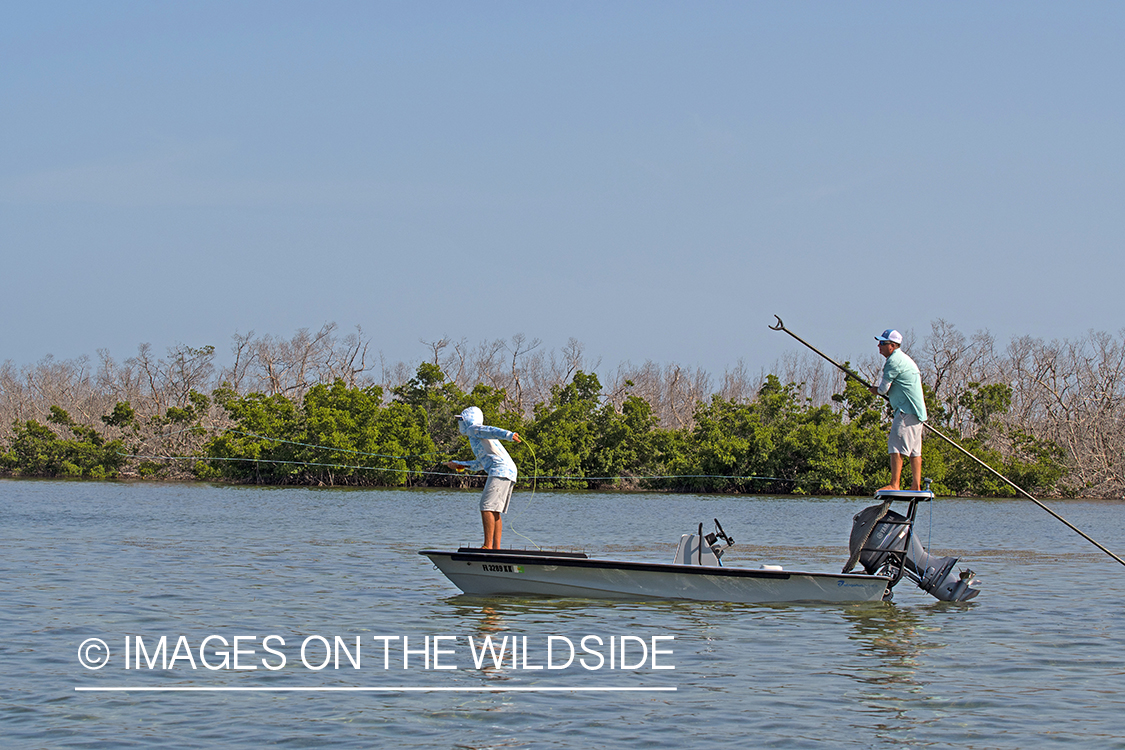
x=881 y=540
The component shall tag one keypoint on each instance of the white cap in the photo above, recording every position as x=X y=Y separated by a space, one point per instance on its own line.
x=890 y=335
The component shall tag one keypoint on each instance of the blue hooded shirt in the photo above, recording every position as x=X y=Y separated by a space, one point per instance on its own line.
x=485 y=442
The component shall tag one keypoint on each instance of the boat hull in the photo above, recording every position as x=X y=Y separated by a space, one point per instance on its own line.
x=516 y=572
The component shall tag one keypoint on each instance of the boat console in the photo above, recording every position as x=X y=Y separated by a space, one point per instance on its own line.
x=700 y=549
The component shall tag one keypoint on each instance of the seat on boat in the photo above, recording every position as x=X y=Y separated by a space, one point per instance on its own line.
x=693 y=550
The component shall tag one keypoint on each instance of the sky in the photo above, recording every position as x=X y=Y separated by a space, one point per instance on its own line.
x=654 y=179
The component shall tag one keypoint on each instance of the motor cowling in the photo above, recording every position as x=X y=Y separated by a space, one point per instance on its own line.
x=883 y=540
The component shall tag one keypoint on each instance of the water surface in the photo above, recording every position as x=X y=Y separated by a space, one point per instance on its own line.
x=1038 y=659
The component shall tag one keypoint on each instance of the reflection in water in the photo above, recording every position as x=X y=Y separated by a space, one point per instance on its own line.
x=890 y=665
x=889 y=644
x=532 y=620
x=489 y=624
x=890 y=635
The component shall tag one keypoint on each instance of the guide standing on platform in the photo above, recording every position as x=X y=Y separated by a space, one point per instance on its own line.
x=902 y=385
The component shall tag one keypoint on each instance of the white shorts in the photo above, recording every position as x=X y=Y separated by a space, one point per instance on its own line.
x=906 y=435
x=497 y=494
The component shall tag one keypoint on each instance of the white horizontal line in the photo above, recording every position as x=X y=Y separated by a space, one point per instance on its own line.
x=396 y=689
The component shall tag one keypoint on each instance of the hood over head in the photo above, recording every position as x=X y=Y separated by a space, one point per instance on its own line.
x=470 y=417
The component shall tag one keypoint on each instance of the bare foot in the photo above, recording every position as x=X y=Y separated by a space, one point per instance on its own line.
x=888 y=487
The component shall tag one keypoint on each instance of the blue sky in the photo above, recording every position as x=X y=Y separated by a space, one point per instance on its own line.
x=656 y=180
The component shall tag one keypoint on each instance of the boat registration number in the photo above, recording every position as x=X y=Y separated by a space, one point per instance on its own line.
x=500 y=568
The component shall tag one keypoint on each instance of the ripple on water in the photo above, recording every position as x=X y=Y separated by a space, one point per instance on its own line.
x=1037 y=660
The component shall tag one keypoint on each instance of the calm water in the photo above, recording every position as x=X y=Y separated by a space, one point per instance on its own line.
x=1037 y=660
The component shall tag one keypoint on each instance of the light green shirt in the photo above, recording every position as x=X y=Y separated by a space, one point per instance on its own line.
x=902 y=385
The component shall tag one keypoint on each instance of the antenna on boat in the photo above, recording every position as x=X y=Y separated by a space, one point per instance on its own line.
x=781 y=327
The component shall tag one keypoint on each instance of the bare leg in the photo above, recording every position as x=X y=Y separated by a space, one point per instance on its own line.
x=493 y=528
x=896 y=472
x=915 y=473
x=489 y=522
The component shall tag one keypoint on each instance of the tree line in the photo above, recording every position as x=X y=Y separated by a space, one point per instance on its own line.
x=320 y=409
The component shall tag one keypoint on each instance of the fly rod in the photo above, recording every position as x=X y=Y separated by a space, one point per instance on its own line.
x=781 y=327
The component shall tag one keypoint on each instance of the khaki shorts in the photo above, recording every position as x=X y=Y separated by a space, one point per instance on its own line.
x=497 y=494
x=906 y=435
